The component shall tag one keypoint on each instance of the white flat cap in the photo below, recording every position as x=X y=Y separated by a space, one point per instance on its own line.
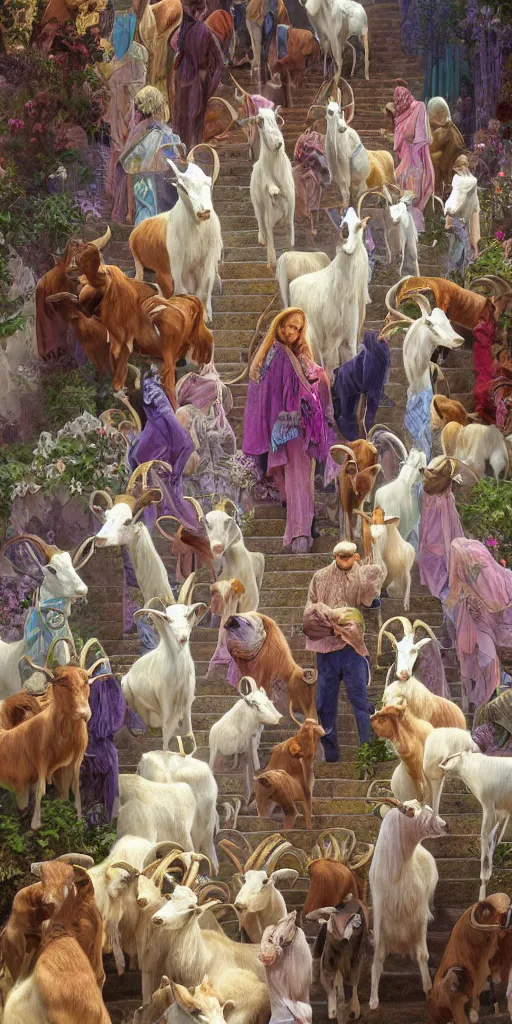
x=345 y=547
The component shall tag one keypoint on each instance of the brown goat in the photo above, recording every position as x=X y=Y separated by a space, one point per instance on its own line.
x=303 y=50
x=17 y=708
x=181 y=327
x=464 y=969
x=356 y=479
x=408 y=735
x=462 y=307
x=501 y=964
x=289 y=778
x=330 y=883
x=51 y=328
x=447 y=144
x=30 y=907
x=91 y=333
x=447 y=410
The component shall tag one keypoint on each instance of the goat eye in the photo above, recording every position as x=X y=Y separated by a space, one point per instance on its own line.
x=127 y=522
x=51 y=570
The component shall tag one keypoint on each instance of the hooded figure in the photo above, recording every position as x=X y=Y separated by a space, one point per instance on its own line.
x=412 y=146
x=197 y=72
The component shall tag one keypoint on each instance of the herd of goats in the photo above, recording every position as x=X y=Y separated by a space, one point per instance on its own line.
x=156 y=899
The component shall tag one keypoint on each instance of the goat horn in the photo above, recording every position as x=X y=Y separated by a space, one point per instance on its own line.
x=81 y=859
x=252 y=685
x=95 y=665
x=421 y=301
x=364 y=857
x=102 y=241
x=193 y=868
x=375 y=190
x=391 y=297
x=104 y=494
x=254 y=342
x=197 y=506
x=211 y=888
x=242 y=90
x=221 y=506
x=291 y=714
x=168 y=536
x=262 y=852
x=273 y=859
x=84 y=552
x=154 y=855
x=229 y=848
x=47 y=550
x=93 y=642
x=482 y=927
x=180 y=746
x=428 y=629
x=351 y=102
x=38 y=668
x=408 y=811
x=150 y=611
x=59 y=296
x=336 y=450
x=125 y=866
x=347 y=841
x=215 y=156
x=187 y=589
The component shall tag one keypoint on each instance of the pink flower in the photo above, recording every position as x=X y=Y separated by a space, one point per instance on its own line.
x=503 y=563
x=500 y=235
x=33 y=140
x=491 y=542
x=501 y=174
x=37 y=127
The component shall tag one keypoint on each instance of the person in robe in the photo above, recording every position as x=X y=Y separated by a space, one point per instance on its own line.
x=411 y=143
x=492 y=723
x=147 y=190
x=127 y=77
x=334 y=628
x=439 y=525
x=289 y=419
x=197 y=73
x=484 y=337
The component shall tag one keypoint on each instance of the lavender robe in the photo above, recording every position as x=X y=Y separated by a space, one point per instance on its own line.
x=439 y=525
x=479 y=604
x=198 y=69
x=99 y=774
x=365 y=374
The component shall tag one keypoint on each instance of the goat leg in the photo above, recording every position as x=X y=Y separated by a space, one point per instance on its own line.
x=422 y=958
x=377 y=968
x=75 y=787
x=488 y=837
x=40 y=792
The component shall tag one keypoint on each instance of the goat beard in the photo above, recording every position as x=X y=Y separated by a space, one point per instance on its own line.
x=248 y=641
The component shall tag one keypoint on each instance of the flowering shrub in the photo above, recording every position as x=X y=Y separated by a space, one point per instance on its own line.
x=15 y=598
x=486 y=514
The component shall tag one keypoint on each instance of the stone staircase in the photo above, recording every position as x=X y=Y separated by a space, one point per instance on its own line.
x=339 y=794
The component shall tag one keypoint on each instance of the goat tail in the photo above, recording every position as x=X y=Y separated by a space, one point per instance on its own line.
x=282 y=280
x=201 y=341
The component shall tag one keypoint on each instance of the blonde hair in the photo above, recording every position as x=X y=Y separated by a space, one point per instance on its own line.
x=149 y=100
x=302 y=346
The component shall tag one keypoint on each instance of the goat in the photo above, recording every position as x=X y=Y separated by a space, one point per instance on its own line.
x=438 y=746
x=500 y=966
x=260 y=650
x=332 y=866
x=182 y=332
x=58 y=582
x=91 y=333
x=239 y=729
x=302 y=51
x=288 y=779
x=183 y=245
x=423 y=336
x=51 y=325
x=400 y=215
x=258 y=902
x=462 y=306
x=237 y=997
x=475 y=445
x=407 y=648
x=353 y=168
x=439 y=711
x=291 y=265
x=400 y=497
x=335 y=21
x=447 y=410
x=288 y=965
x=489 y=779
x=463 y=971
x=158 y=811
x=408 y=735
x=160 y=685
x=447 y=143
x=165 y=766
x=334 y=299
x=395 y=555
x=403 y=878
x=47 y=993
x=272 y=187
x=56 y=738
x=355 y=482
x=340 y=948
x=463 y=202
x=231 y=557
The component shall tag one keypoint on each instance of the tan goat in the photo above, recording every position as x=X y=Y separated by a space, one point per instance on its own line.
x=408 y=735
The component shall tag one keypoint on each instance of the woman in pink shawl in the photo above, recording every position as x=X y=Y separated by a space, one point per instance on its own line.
x=479 y=604
x=411 y=144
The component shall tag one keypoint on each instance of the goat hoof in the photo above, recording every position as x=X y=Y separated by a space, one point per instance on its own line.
x=374 y=1004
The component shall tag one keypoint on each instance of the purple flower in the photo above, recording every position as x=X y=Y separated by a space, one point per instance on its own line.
x=500 y=235
x=491 y=542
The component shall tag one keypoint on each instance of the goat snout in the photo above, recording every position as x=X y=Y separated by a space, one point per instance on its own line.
x=204 y=215
x=100 y=541
x=240 y=906
x=218 y=549
x=84 y=713
x=404 y=676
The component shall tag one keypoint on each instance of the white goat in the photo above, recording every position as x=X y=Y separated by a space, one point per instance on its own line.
x=424 y=335
x=291 y=265
x=400 y=497
x=193 y=237
x=395 y=555
x=121 y=527
x=490 y=781
x=59 y=582
x=160 y=686
x=232 y=560
x=439 y=745
x=464 y=205
x=347 y=159
x=159 y=811
x=334 y=299
x=272 y=186
x=335 y=21
x=400 y=216
x=259 y=902
x=165 y=766
x=239 y=730
x=403 y=878
x=475 y=445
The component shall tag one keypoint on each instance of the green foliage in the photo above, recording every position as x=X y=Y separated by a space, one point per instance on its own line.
x=370 y=755
x=36 y=219
x=15 y=323
x=486 y=513
x=61 y=832
x=503 y=856
x=67 y=395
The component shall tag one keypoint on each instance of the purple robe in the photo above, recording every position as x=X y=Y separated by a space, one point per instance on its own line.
x=439 y=525
x=479 y=604
x=99 y=774
x=365 y=374
x=197 y=73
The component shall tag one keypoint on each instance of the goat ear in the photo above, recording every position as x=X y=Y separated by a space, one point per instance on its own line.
x=183 y=997
x=117 y=879
x=237 y=587
x=310 y=676
x=422 y=642
x=321 y=915
x=80 y=876
x=197 y=610
x=391 y=520
x=228 y=1005
x=289 y=875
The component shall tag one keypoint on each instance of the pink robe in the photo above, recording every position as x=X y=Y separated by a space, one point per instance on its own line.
x=415 y=170
x=439 y=525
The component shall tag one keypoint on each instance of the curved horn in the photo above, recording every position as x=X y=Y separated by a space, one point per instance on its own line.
x=275 y=856
x=93 y=642
x=492 y=280
x=47 y=550
x=252 y=685
x=342 y=841
x=421 y=301
x=263 y=851
x=123 y=865
x=84 y=552
x=239 y=87
x=217 y=890
x=336 y=451
x=482 y=927
x=81 y=859
x=392 y=802
x=110 y=503
x=428 y=629
x=364 y=856
x=215 y=156
x=254 y=343
x=59 y=296
x=193 y=869
x=391 y=297
x=102 y=241
x=160 y=520
x=375 y=190
x=194 y=502
x=187 y=590
x=221 y=506
x=154 y=854
x=38 y=668
x=151 y=612
x=351 y=102
x=291 y=714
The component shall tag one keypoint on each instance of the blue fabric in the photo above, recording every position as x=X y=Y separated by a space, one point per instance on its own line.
x=282 y=41
x=145 y=198
x=334 y=666
x=45 y=622
x=286 y=428
x=417 y=419
x=123 y=33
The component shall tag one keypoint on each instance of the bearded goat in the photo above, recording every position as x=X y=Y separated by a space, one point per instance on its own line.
x=423 y=336
x=272 y=186
x=400 y=497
